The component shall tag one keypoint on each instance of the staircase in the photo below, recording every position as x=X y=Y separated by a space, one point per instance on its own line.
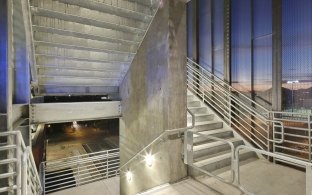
x=212 y=156
x=86 y=46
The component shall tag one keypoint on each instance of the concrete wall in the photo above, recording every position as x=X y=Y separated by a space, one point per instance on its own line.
x=154 y=99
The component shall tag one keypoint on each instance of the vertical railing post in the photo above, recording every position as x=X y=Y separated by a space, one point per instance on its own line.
x=78 y=171
x=308 y=180
x=230 y=106
x=18 y=164
x=188 y=147
x=43 y=178
x=201 y=85
x=310 y=137
x=236 y=169
x=106 y=164
x=24 y=174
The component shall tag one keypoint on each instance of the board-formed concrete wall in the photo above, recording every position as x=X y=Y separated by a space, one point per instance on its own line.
x=154 y=99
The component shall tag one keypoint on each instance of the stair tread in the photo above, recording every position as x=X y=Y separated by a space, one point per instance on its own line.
x=217 y=158
x=211 y=132
x=205 y=122
x=200 y=114
x=214 y=144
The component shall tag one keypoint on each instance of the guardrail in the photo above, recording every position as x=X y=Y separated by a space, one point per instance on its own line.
x=75 y=171
x=238 y=110
x=298 y=138
x=307 y=165
x=234 y=168
x=21 y=175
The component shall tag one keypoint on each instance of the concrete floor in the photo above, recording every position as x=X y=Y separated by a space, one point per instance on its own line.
x=104 y=187
x=185 y=187
x=258 y=177
x=262 y=178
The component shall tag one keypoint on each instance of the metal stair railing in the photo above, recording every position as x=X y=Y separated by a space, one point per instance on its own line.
x=78 y=170
x=281 y=157
x=21 y=171
x=285 y=133
x=245 y=115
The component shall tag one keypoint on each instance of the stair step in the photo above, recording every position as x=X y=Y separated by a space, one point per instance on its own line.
x=221 y=133
x=200 y=117
x=193 y=104
x=214 y=147
x=198 y=110
x=219 y=161
x=191 y=97
x=207 y=125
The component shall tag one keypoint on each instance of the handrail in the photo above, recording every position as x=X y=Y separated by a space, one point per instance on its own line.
x=79 y=170
x=307 y=165
x=166 y=132
x=229 y=86
x=232 y=157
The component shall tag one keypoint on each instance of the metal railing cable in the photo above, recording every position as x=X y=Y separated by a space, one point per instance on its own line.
x=254 y=124
x=60 y=174
x=165 y=133
x=24 y=171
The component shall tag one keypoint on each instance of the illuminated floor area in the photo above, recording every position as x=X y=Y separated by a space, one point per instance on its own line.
x=104 y=187
x=262 y=178
x=258 y=177
x=185 y=187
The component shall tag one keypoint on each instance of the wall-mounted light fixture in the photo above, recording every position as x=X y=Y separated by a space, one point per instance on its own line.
x=129 y=175
x=149 y=159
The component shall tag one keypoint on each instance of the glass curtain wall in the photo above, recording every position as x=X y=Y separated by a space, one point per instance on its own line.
x=297 y=55
x=251 y=59
x=211 y=36
x=251 y=48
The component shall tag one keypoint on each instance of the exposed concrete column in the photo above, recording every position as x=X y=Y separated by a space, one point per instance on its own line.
x=154 y=99
x=277 y=56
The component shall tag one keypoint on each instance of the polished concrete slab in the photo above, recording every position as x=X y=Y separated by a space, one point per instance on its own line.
x=104 y=187
x=185 y=187
x=262 y=178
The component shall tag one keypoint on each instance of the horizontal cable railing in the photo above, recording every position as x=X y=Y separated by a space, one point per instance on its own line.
x=297 y=142
x=254 y=124
x=75 y=171
x=283 y=133
x=21 y=175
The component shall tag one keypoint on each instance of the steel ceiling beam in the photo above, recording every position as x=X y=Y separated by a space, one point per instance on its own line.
x=85 y=20
x=84 y=59
x=83 y=48
x=109 y=8
x=84 y=35
x=50 y=68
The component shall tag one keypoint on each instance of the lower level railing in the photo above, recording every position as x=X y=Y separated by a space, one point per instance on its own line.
x=74 y=171
x=21 y=176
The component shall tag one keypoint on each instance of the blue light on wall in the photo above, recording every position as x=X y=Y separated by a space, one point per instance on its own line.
x=3 y=57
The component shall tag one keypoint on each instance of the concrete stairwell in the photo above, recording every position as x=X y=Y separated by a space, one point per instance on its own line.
x=212 y=156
